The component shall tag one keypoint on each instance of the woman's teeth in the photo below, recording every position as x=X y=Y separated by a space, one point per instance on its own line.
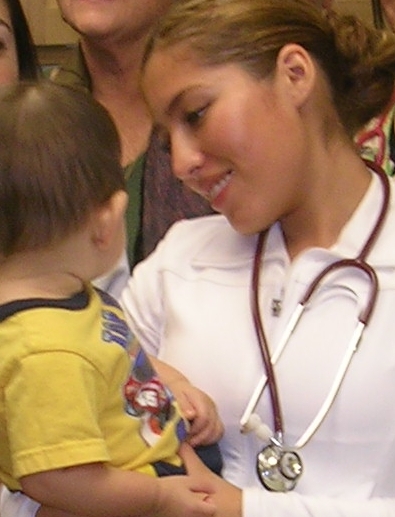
x=219 y=186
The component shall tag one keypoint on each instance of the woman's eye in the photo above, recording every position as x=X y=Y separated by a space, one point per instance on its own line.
x=193 y=118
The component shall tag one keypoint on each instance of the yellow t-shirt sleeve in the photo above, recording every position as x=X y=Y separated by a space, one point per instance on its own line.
x=65 y=431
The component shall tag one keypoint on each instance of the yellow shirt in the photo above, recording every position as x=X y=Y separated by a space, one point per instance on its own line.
x=70 y=394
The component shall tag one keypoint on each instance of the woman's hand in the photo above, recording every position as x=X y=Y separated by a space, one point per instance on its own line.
x=226 y=497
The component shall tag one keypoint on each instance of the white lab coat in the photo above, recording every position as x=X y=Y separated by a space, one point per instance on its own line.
x=189 y=304
x=114 y=281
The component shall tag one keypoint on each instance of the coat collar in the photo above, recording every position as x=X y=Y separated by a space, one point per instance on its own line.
x=222 y=247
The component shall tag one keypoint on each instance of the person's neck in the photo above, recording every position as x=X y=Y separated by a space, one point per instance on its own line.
x=339 y=190
x=114 y=72
x=113 y=64
x=51 y=271
x=23 y=284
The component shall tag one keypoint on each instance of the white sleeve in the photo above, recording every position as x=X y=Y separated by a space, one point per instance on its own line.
x=16 y=504
x=141 y=299
x=257 y=502
x=114 y=281
x=145 y=297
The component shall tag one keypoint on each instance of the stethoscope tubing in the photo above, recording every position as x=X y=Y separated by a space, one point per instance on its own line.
x=268 y=378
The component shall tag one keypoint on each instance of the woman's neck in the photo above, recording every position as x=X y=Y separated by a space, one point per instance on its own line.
x=114 y=74
x=333 y=197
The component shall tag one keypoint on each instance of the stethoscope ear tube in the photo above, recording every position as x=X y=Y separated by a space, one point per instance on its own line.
x=271 y=460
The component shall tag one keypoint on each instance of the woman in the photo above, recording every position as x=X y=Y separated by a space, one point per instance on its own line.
x=18 y=59
x=258 y=101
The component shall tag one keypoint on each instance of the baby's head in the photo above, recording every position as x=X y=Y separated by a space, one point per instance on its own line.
x=59 y=163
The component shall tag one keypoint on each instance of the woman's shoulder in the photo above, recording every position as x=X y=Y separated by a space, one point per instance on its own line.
x=207 y=240
x=204 y=225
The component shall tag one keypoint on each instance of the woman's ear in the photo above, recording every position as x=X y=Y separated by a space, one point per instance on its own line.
x=108 y=219
x=297 y=68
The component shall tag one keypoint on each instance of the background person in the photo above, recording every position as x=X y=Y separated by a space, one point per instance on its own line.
x=377 y=139
x=106 y=63
x=18 y=59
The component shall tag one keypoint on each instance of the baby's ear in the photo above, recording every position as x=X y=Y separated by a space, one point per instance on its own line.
x=107 y=218
x=297 y=68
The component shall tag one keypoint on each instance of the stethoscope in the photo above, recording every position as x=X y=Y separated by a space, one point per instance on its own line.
x=278 y=466
x=377 y=132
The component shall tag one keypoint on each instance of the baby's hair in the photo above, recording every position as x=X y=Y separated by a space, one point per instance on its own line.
x=59 y=159
x=358 y=60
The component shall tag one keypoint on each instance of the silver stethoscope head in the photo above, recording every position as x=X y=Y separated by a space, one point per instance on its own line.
x=278 y=466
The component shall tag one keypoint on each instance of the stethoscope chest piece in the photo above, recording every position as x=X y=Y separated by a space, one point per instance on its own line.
x=278 y=469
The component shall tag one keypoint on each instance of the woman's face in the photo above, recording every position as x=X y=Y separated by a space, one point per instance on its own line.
x=235 y=140
x=119 y=19
x=8 y=54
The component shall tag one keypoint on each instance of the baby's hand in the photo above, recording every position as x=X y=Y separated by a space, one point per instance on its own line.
x=206 y=426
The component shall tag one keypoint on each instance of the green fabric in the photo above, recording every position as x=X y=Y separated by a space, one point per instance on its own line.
x=134 y=185
x=75 y=73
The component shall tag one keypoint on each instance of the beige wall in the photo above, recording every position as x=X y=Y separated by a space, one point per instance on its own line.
x=46 y=23
x=48 y=28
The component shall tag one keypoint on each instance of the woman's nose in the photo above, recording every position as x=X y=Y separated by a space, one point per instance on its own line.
x=186 y=158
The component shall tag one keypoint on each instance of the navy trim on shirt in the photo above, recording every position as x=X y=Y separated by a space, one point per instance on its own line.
x=76 y=302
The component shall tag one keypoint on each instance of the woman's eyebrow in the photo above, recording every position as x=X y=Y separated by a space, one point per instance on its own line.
x=173 y=106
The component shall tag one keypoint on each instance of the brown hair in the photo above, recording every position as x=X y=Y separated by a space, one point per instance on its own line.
x=59 y=159
x=358 y=61
x=28 y=63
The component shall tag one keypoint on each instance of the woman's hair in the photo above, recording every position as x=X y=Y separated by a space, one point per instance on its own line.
x=359 y=61
x=26 y=52
x=59 y=160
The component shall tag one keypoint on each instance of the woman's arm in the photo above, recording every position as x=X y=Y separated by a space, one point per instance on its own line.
x=227 y=497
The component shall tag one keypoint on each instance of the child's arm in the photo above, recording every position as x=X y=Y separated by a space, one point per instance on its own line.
x=96 y=490
x=45 y=511
x=206 y=425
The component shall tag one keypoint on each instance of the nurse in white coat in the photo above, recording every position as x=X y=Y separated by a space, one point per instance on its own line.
x=258 y=101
